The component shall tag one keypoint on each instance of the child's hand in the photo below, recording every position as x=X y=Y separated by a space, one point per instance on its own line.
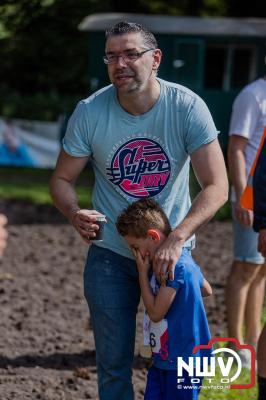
x=143 y=264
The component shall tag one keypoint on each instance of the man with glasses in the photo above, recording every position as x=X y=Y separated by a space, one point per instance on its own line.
x=140 y=134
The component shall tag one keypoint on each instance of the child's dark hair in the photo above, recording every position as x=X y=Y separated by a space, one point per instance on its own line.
x=141 y=216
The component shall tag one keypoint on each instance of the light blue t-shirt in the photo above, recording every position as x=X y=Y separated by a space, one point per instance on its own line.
x=185 y=325
x=139 y=156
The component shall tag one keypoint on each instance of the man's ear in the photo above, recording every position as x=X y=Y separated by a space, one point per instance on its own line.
x=154 y=235
x=157 y=57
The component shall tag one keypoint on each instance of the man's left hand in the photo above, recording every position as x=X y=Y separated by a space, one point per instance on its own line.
x=166 y=257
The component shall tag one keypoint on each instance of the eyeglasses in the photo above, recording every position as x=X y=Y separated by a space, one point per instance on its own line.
x=129 y=57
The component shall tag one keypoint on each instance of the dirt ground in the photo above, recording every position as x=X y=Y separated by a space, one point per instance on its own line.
x=46 y=347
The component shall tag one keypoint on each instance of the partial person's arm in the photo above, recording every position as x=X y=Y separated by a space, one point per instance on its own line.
x=209 y=167
x=3 y=233
x=156 y=306
x=62 y=188
x=237 y=169
x=206 y=289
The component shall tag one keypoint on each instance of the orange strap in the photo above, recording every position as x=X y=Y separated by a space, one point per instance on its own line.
x=246 y=199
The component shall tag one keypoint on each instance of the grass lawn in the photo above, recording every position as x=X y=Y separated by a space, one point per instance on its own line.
x=31 y=185
x=234 y=394
x=228 y=394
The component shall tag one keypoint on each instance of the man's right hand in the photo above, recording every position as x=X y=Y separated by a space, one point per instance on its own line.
x=84 y=222
x=244 y=216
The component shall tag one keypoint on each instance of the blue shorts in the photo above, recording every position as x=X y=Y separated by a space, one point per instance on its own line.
x=162 y=385
x=245 y=243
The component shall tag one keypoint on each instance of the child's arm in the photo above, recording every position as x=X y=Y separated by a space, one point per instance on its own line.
x=206 y=289
x=156 y=306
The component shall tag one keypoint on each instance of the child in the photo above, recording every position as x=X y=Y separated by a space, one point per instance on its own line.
x=178 y=320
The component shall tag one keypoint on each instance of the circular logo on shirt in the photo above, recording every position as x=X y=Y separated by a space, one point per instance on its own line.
x=140 y=168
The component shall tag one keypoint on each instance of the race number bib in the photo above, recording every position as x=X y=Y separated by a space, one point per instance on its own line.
x=159 y=338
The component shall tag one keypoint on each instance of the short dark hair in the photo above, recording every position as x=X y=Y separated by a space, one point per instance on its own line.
x=141 y=216
x=124 y=27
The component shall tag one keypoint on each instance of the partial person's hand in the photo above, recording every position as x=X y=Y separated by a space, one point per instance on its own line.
x=143 y=264
x=3 y=233
x=244 y=216
x=262 y=242
x=165 y=259
x=84 y=222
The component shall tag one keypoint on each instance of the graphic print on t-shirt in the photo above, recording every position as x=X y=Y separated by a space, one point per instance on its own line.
x=140 y=168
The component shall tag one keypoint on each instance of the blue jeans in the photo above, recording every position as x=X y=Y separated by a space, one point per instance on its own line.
x=111 y=288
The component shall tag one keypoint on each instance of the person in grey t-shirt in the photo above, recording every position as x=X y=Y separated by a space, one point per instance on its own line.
x=140 y=134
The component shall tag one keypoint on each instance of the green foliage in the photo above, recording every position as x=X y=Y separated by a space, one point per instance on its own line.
x=172 y=7
x=41 y=106
x=45 y=57
x=214 y=8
